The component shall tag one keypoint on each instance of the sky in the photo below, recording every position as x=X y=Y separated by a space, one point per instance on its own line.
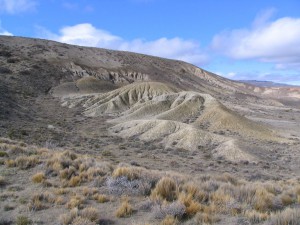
x=237 y=39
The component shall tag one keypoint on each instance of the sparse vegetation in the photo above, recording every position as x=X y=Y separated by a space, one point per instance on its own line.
x=38 y=178
x=23 y=220
x=125 y=209
x=170 y=197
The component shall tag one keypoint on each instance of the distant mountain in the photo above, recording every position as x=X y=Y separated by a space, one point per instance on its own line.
x=266 y=83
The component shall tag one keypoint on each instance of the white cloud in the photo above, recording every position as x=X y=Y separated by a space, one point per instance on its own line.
x=16 y=6
x=277 y=41
x=87 y=35
x=3 y=31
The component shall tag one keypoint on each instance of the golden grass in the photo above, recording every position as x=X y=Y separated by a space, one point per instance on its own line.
x=165 y=189
x=25 y=162
x=68 y=218
x=100 y=198
x=75 y=201
x=10 y=163
x=202 y=218
x=263 y=200
x=129 y=172
x=125 y=209
x=256 y=217
x=169 y=220
x=90 y=213
x=192 y=207
x=74 y=181
x=38 y=177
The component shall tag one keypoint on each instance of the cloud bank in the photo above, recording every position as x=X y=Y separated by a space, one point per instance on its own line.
x=276 y=42
x=86 y=34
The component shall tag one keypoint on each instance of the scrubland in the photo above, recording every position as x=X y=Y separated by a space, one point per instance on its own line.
x=59 y=186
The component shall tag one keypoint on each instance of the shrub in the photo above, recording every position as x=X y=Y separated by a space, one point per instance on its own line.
x=122 y=186
x=38 y=178
x=125 y=209
x=175 y=209
x=165 y=189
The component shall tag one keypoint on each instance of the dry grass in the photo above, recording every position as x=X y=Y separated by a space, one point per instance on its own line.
x=256 y=217
x=287 y=217
x=205 y=218
x=129 y=172
x=10 y=163
x=74 y=181
x=2 y=181
x=38 y=177
x=173 y=196
x=75 y=201
x=68 y=218
x=169 y=220
x=25 y=162
x=192 y=206
x=90 y=213
x=165 y=189
x=39 y=201
x=100 y=198
x=125 y=209
x=263 y=200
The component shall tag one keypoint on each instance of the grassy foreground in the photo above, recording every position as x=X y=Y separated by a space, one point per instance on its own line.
x=56 y=186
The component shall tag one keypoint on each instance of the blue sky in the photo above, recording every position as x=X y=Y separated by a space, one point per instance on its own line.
x=238 y=39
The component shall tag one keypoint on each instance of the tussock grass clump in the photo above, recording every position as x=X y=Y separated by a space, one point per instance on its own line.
x=75 y=201
x=256 y=217
x=263 y=200
x=25 y=162
x=2 y=181
x=125 y=209
x=191 y=206
x=3 y=154
x=82 y=221
x=90 y=213
x=204 y=218
x=100 y=198
x=39 y=201
x=67 y=218
x=169 y=220
x=286 y=217
x=38 y=177
x=165 y=189
x=130 y=172
x=10 y=163
x=74 y=181
x=23 y=220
